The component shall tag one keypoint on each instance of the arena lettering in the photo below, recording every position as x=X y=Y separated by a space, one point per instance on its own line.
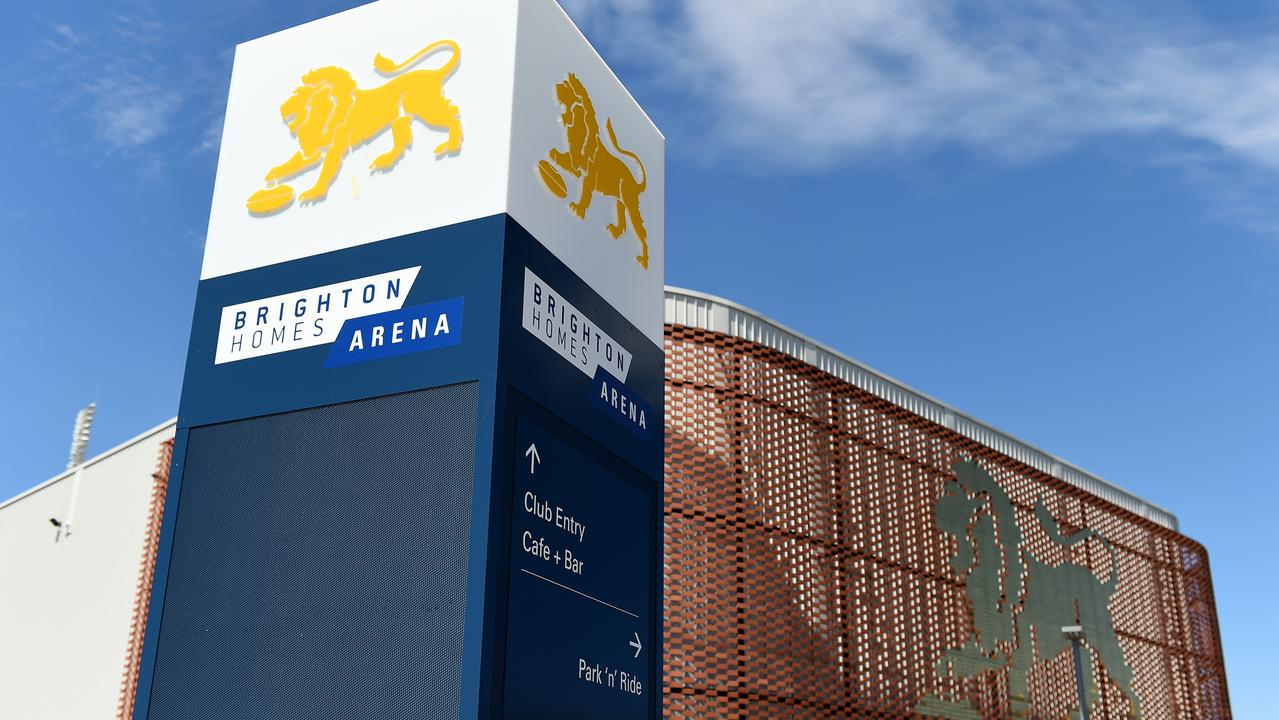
x=380 y=335
x=620 y=403
x=399 y=332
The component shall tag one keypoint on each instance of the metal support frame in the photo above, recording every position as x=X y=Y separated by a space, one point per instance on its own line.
x=1075 y=633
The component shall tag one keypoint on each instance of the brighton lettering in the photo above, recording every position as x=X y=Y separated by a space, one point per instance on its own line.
x=307 y=317
x=569 y=332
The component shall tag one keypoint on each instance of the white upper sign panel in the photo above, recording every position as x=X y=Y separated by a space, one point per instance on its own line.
x=318 y=114
x=407 y=115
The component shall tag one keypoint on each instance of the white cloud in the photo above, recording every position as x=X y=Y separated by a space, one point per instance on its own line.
x=120 y=74
x=803 y=84
x=130 y=111
x=212 y=139
x=66 y=33
x=194 y=240
x=112 y=78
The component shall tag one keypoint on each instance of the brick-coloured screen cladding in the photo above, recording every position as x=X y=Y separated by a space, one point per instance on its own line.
x=319 y=564
x=832 y=555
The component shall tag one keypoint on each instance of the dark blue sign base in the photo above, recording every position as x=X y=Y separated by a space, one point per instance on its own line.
x=348 y=534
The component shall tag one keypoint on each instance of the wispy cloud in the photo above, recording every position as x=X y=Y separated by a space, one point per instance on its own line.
x=66 y=33
x=212 y=138
x=129 y=111
x=194 y=240
x=134 y=89
x=806 y=83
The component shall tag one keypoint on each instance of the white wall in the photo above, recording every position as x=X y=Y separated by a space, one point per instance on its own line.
x=66 y=600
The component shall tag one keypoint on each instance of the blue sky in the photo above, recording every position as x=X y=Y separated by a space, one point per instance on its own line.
x=1057 y=216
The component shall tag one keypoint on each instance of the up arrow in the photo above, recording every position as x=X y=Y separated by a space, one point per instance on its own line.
x=533 y=458
x=636 y=644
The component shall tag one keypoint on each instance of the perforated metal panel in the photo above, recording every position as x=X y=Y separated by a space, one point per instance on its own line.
x=810 y=573
x=319 y=564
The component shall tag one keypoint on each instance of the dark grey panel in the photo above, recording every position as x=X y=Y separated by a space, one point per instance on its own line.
x=319 y=564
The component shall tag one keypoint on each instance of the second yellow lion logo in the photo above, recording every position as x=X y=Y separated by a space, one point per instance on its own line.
x=588 y=158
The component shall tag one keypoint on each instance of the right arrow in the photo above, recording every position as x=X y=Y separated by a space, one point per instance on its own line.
x=636 y=644
x=533 y=458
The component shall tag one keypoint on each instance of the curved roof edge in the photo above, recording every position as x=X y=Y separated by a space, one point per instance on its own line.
x=709 y=312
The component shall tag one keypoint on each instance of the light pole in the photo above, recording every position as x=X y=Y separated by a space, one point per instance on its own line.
x=1075 y=633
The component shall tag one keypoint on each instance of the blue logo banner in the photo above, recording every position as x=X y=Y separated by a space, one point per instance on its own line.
x=621 y=403
x=399 y=332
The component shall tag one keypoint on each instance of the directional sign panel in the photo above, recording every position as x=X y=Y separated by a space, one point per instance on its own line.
x=580 y=636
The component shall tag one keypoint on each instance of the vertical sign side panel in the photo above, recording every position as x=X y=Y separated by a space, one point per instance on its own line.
x=601 y=212
x=582 y=353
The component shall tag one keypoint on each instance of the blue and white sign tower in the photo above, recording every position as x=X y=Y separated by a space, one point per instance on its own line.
x=418 y=467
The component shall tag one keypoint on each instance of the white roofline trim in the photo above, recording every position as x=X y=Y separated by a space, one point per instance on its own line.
x=709 y=312
x=168 y=425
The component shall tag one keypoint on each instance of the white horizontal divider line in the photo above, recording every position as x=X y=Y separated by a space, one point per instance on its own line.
x=579 y=592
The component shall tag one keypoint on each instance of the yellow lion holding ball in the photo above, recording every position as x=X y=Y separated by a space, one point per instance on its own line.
x=590 y=159
x=329 y=115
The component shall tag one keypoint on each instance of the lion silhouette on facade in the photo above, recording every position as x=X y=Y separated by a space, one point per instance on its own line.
x=1020 y=604
x=329 y=116
x=600 y=170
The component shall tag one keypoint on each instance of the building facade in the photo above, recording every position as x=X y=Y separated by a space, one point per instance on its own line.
x=77 y=554
x=838 y=545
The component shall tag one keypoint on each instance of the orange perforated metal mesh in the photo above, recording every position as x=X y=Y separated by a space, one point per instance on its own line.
x=146 y=574
x=806 y=578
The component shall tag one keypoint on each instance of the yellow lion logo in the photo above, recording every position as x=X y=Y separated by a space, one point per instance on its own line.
x=601 y=171
x=330 y=116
